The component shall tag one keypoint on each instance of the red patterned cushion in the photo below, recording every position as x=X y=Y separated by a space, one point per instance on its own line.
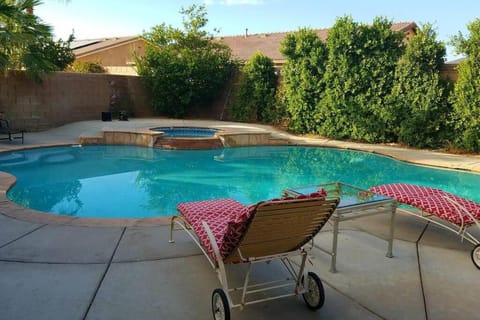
x=445 y=205
x=227 y=218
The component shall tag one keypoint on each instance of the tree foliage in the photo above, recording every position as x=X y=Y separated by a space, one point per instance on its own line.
x=358 y=78
x=87 y=67
x=466 y=95
x=183 y=68
x=303 y=73
x=27 y=44
x=57 y=52
x=366 y=83
x=419 y=109
x=255 y=97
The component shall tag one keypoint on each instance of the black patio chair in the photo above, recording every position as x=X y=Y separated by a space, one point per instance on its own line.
x=7 y=133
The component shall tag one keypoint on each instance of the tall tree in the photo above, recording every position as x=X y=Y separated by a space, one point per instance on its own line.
x=419 y=107
x=26 y=43
x=359 y=76
x=303 y=73
x=184 y=68
x=466 y=95
x=255 y=97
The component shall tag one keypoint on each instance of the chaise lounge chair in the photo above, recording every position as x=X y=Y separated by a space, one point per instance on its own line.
x=229 y=232
x=439 y=207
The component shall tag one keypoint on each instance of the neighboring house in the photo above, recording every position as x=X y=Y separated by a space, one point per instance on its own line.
x=115 y=54
x=243 y=47
x=449 y=70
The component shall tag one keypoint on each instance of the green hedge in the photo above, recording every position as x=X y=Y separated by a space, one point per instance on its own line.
x=303 y=83
x=466 y=95
x=419 y=109
x=254 y=99
x=358 y=78
x=366 y=84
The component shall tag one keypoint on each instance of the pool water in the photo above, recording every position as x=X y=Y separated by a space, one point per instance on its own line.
x=137 y=182
x=186 y=132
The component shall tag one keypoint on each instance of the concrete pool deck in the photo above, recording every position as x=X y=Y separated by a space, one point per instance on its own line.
x=55 y=270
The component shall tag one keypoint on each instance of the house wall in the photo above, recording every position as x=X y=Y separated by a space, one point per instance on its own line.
x=409 y=34
x=117 y=60
x=449 y=72
x=124 y=70
x=65 y=97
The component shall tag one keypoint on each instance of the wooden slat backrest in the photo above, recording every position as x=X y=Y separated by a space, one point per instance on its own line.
x=282 y=226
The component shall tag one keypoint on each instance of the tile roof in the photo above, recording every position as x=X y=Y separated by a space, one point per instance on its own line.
x=404 y=26
x=244 y=46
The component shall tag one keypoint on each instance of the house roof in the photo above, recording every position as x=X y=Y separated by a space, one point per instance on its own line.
x=455 y=61
x=89 y=46
x=243 y=46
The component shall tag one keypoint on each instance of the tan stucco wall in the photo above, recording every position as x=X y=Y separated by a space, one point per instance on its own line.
x=128 y=71
x=116 y=57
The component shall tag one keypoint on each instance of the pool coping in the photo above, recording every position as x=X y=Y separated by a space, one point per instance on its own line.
x=271 y=137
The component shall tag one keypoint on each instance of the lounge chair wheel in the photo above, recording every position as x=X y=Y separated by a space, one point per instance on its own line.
x=476 y=256
x=220 y=307
x=315 y=295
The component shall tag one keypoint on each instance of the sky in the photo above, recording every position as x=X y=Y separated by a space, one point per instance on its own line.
x=90 y=19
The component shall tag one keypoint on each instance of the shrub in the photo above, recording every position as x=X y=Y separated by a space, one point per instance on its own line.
x=87 y=67
x=58 y=52
x=466 y=94
x=358 y=78
x=255 y=97
x=303 y=84
x=419 y=109
x=183 y=69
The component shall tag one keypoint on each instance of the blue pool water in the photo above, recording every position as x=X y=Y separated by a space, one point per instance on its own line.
x=186 y=132
x=127 y=181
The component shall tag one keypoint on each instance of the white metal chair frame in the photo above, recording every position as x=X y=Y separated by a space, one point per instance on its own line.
x=460 y=230
x=303 y=282
x=285 y=258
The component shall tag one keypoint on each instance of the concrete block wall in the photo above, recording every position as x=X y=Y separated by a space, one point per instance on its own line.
x=65 y=97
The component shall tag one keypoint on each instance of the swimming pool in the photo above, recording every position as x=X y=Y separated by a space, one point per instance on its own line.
x=186 y=132
x=134 y=182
